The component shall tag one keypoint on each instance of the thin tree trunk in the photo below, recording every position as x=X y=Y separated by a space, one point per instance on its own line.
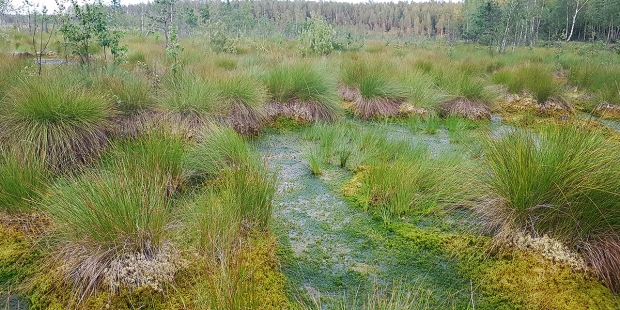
x=577 y=9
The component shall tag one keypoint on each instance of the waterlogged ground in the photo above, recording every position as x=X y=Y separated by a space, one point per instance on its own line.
x=334 y=253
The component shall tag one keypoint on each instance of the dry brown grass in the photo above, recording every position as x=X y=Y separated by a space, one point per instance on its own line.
x=245 y=119
x=368 y=108
x=300 y=111
x=602 y=255
x=466 y=108
x=606 y=110
x=347 y=93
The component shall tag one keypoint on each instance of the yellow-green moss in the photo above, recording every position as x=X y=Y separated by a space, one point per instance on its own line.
x=17 y=258
x=423 y=238
x=511 y=279
x=262 y=286
x=514 y=279
x=268 y=282
x=285 y=124
x=531 y=282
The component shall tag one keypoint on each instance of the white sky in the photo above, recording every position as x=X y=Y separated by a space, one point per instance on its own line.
x=51 y=4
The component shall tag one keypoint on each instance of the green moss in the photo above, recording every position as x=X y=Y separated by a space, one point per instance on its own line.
x=268 y=282
x=17 y=259
x=263 y=286
x=529 y=282
x=142 y=298
x=431 y=240
x=281 y=124
x=512 y=279
x=47 y=292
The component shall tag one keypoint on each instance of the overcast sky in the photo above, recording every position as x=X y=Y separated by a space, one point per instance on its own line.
x=51 y=5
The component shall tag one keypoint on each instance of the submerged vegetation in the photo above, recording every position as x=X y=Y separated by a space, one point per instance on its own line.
x=223 y=172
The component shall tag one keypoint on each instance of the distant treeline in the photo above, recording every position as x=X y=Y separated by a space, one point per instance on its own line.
x=494 y=22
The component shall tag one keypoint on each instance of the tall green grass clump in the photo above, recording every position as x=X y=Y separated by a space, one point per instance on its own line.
x=11 y=72
x=222 y=148
x=191 y=96
x=601 y=80
x=226 y=158
x=245 y=98
x=106 y=218
x=421 y=91
x=21 y=182
x=561 y=182
x=157 y=150
x=372 y=87
x=129 y=93
x=466 y=93
x=536 y=78
x=310 y=88
x=413 y=184
x=116 y=218
x=57 y=121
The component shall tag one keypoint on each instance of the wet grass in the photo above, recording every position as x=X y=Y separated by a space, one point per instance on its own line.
x=335 y=253
x=368 y=214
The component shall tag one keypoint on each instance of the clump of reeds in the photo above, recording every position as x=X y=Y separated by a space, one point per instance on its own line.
x=303 y=91
x=560 y=182
x=55 y=120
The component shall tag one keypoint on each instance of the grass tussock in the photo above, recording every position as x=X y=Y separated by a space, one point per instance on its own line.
x=245 y=98
x=416 y=184
x=21 y=182
x=157 y=150
x=225 y=158
x=130 y=93
x=113 y=223
x=559 y=182
x=465 y=108
x=11 y=71
x=108 y=220
x=221 y=149
x=59 y=122
x=190 y=96
x=222 y=221
x=369 y=84
x=536 y=78
x=303 y=91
